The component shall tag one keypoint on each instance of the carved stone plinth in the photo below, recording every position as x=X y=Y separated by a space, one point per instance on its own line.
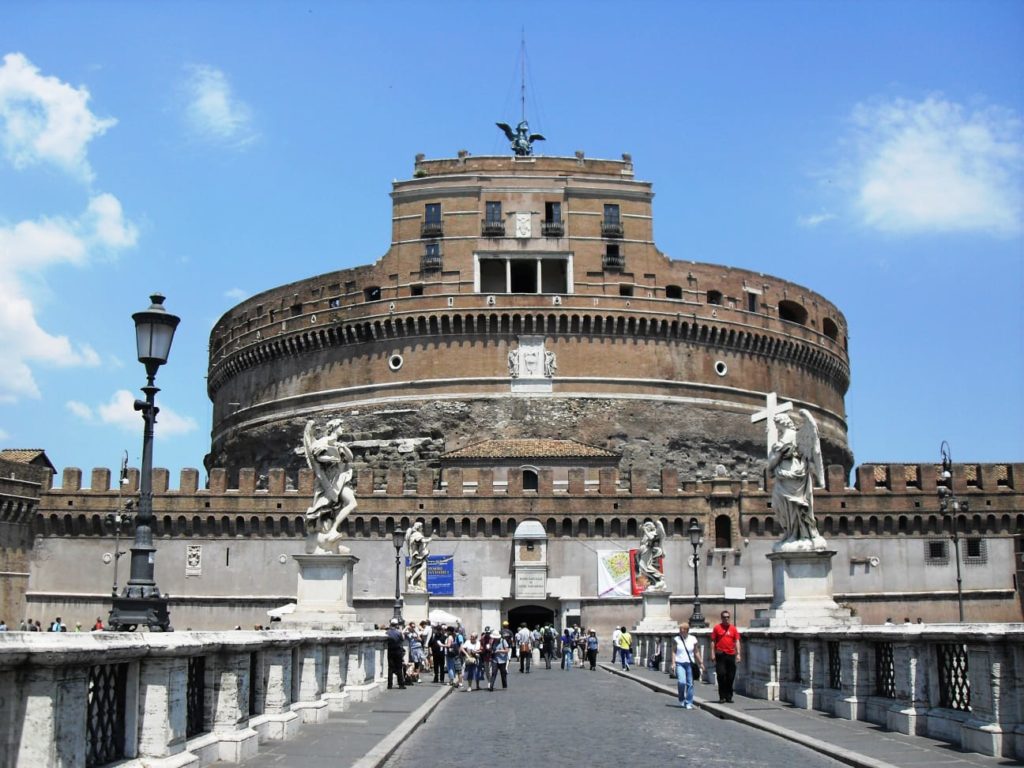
x=802 y=592
x=415 y=606
x=324 y=599
x=656 y=616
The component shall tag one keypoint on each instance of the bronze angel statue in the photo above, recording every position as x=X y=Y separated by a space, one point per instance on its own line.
x=521 y=138
x=796 y=464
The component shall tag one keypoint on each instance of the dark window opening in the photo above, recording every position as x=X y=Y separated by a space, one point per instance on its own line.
x=492 y=276
x=611 y=214
x=296 y=310
x=715 y=297
x=829 y=328
x=493 y=211
x=432 y=213
x=531 y=481
x=415 y=290
x=723 y=532
x=751 y=302
x=792 y=312
x=372 y=293
x=673 y=292
x=974 y=548
x=523 y=276
x=553 y=212
x=625 y=290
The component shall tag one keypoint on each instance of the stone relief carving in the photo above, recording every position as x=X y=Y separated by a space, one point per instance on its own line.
x=550 y=366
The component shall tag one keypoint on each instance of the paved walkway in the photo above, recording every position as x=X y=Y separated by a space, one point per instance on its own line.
x=853 y=742
x=603 y=718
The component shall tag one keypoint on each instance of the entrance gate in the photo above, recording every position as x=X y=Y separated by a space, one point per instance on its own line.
x=531 y=615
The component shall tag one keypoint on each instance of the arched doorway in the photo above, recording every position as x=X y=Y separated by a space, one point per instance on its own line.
x=530 y=615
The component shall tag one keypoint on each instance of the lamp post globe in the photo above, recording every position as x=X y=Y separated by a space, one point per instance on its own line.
x=141 y=602
x=696 y=534
x=398 y=538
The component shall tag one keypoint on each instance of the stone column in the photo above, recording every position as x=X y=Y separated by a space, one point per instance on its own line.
x=909 y=713
x=806 y=689
x=336 y=662
x=363 y=663
x=230 y=706
x=277 y=722
x=163 y=683
x=851 y=704
x=309 y=671
x=989 y=669
x=52 y=722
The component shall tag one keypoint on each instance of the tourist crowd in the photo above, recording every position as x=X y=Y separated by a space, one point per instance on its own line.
x=473 y=660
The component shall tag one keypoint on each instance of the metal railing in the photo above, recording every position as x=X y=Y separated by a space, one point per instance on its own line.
x=492 y=227
x=616 y=263
x=554 y=228
x=611 y=229
x=954 y=683
x=105 y=714
x=430 y=262
x=431 y=229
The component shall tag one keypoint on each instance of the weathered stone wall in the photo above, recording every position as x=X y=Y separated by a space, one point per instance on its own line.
x=20 y=486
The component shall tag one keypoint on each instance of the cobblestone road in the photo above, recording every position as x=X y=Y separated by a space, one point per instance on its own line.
x=584 y=718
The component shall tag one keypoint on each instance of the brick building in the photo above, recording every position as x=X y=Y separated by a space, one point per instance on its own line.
x=525 y=372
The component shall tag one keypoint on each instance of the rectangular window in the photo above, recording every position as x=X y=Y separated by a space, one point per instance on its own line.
x=416 y=290
x=975 y=551
x=936 y=552
x=553 y=212
x=433 y=250
x=625 y=290
x=611 y=213
x=492 y=276
x=751 y=302
x=493 y=209
x=432 y=214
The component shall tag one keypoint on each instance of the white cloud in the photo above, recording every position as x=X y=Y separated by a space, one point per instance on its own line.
x=815 y=219
x=237 y=294
x=937 y=166
x=213 y=112
x=44 y=120
x=120 y=412
x=27 y=249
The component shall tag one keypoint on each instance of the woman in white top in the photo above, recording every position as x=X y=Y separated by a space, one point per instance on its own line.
x=688 y=662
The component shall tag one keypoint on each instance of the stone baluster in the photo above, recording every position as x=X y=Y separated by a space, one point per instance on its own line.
x=851 y=703
x=54 y=700
x=336 y=662
x=277 y=721
x=309 y=671
x=992 y=681
x=163 y=684
x=229 y=677
x=908 y=714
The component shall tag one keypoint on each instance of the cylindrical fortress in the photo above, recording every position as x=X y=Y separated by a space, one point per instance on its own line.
x=525 y=297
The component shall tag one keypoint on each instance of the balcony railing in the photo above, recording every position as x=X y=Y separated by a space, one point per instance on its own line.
x=493 y=227
x=430 y=262
x=611 y=229
x=553 y=228
x=431 y=229
x=614 y=263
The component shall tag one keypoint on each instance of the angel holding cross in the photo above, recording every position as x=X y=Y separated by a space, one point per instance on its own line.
x=794 y=460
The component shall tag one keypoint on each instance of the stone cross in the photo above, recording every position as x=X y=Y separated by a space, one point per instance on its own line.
x=771 y=410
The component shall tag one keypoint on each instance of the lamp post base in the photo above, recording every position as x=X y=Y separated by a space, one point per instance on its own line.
x=129 y=613
x=697 y=620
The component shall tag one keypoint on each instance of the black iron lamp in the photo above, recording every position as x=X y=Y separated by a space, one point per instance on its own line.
x=696 y=541
x=141 y=602
x=398 y=538
x=951 y=506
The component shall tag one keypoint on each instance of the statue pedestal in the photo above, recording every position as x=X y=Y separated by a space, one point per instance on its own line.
x=415 y=606
x=802 y=592
x=656 y=616
x=324 y=599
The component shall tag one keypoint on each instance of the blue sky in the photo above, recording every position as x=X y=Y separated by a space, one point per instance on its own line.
x=873 y=152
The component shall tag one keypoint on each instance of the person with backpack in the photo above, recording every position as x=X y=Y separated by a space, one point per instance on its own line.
x=500 y=650
x=453 y=656
x=396 y=654
x=548 y=645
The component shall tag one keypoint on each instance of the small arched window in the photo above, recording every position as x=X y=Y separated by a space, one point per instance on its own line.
x=673 y=292
x=829 y=328
x=793 y=312
x=715 y=297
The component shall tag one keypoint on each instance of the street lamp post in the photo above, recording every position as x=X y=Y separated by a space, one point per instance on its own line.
x=141 y=602
x=121 y=517
x=398 y=538
x=696 y=540
x=950 y=506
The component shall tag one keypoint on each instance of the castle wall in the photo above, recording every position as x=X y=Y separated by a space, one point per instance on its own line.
x=20 y=486
x=881 y=530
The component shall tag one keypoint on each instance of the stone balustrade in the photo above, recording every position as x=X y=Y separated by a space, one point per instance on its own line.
x=178 y=699
x=961 y=683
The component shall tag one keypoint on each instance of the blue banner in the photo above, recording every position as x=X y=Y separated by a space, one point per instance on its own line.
x=441 y=575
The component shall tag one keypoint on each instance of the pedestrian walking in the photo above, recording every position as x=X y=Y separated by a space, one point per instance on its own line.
x=437 y=640
x=500 y=651
x=98 y=626
x=567 y=648
x=396 y=654
x=3 y=625
x=625 y=645
x=592 y=649
x=688 y=665
x=416 y=657
x=725 y=654
x=547 y=648
x=58 y=626
x=471 y=662
x=37 y=627
x=524 y=639
x=453 y=656
x=615 y=643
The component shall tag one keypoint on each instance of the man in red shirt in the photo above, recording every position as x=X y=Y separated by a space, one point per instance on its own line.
x=725 y=654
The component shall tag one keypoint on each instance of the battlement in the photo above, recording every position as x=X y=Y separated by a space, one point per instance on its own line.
x=581 y=481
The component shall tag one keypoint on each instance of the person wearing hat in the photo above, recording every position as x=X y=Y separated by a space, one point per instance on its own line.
x=487 y=640
x=396 y=648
